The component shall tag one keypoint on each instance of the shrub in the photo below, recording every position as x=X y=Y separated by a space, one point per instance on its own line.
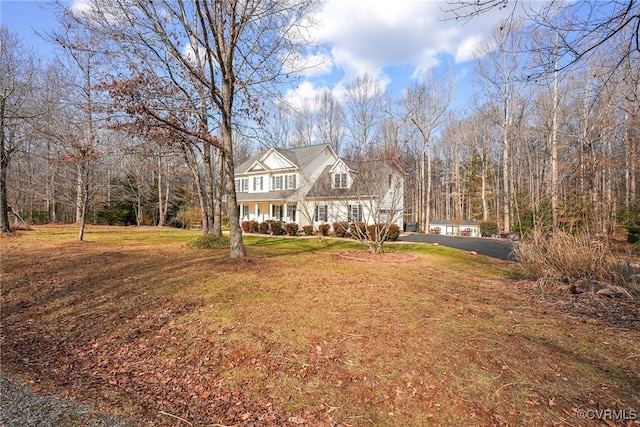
x=307 y=230
x=119 y=213
x=210 y=242
x=358 y=230
x=374 y=231
x=393 y=233
x=249 y=226
x=629 y=216
x=323 y=229
x=276 y=228
x=291 y=228
x=263 y=228
x=565 y=257
x=340 y=229
x=634 y=234
x=488 y=228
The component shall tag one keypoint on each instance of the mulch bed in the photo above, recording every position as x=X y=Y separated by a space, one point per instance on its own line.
x=383 y=257
x=587 y=307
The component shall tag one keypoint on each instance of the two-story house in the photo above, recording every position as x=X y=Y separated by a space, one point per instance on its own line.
x=312 y=185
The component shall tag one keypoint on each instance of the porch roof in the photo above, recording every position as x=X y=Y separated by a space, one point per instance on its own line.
x=274 y=196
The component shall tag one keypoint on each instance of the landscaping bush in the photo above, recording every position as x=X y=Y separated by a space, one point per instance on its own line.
x=276 y=228
x=291 y=228
x=307 y=230
x=263 y=228
x=358 y=230
x=323 y=229
x=488 y=228
x=249 y=226
x=393 y=233
x=566 y=257
x=340 y=229
x=374 y=231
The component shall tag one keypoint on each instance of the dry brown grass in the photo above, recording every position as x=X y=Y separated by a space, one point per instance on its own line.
x=568 y=257
x=295 y=334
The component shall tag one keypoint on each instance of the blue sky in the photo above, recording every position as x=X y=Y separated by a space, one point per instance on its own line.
x=395 y=40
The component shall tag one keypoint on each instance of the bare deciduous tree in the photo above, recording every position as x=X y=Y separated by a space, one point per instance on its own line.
x=17 y=80
x=217 y=55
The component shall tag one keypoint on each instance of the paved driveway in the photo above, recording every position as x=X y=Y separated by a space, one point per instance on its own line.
x=495 y=248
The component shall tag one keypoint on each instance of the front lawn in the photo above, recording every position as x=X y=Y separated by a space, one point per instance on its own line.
x=294 y=334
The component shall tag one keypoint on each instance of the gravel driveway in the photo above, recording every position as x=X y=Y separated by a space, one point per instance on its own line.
x=20 y=406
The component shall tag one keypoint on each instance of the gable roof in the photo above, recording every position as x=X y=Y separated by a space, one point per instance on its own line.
x=362 y=173
x=298 y=157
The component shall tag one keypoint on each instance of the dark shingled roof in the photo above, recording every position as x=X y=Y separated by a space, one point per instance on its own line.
x=365 y=175
x=298 y=156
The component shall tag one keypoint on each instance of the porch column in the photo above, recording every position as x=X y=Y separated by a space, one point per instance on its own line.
x=270 y=211
x=286 y=211
x=256 y=210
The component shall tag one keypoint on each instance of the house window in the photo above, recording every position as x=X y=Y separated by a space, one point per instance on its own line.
x=340 y=180
x=242 y=185
x=321 y=213
x=284 y=182
x=276 y=211
x=257 y=183
x=244 y=211
x=355 y=213
x=276 y=182
x=291 y=213
x=290 y=182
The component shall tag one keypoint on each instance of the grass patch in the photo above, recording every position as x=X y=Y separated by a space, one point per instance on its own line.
x=294 y=333
x=210 y=242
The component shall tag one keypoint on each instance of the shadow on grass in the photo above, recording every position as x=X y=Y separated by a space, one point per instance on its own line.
x=271 y=247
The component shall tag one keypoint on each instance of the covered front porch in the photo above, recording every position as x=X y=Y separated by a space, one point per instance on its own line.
x=268 y=210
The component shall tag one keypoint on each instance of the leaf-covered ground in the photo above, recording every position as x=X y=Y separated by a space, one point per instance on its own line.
x=296 y=334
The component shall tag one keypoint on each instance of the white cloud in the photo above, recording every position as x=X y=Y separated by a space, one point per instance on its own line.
x=80 y=7
x=373 y=35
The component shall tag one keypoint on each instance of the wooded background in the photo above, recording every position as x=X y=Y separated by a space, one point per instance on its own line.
x=549 y=138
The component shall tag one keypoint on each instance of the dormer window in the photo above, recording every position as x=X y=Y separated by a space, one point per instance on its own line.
x=339 y=180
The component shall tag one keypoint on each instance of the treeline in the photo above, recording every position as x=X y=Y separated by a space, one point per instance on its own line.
x=543 y=141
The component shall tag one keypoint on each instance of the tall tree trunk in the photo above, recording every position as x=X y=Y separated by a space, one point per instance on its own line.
x=208 y=190
x=218 y=191
x=554 y=150
x=237 y=249
x=162 y=207
x=4 y=165
x=506 y=197
x=79 y=195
